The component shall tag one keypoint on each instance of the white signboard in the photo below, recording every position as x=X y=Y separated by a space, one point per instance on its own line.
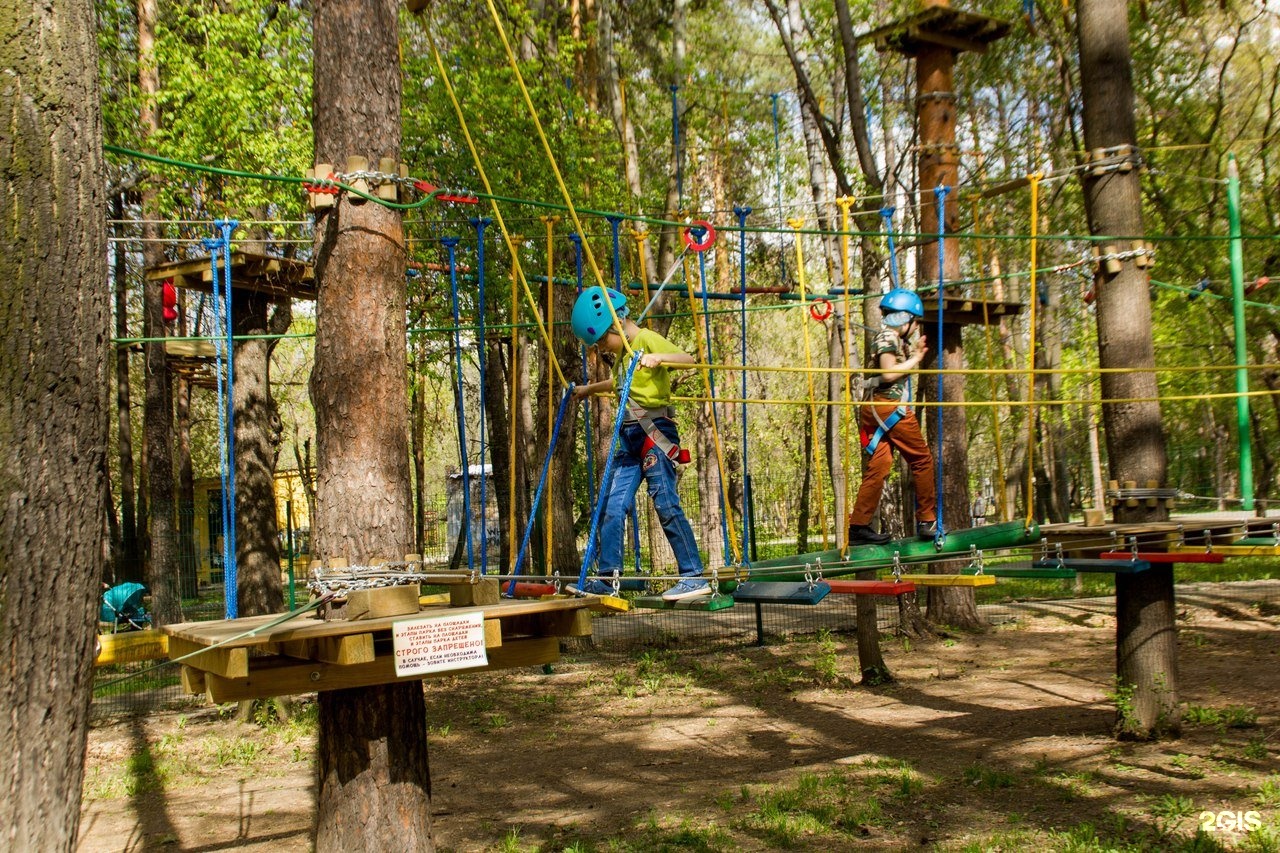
x=439 y=644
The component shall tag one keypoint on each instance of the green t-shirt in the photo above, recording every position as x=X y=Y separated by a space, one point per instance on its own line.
x=650 y=386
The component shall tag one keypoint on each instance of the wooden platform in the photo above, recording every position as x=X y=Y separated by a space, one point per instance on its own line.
x=937 y=26
x=307 y=654
x=279 y=278
x=1180 y=532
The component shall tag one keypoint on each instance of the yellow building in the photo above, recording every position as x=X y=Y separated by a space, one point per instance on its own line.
x=291 y=513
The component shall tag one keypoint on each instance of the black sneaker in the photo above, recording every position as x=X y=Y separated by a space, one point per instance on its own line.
x=861 y=534
x=927 y=530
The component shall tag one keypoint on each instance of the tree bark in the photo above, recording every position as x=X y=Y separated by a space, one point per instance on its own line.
x=374 y=779
x=54 y=375
x=162 y=559
x=129 y=564
x=1146 y=648
x=257 y=432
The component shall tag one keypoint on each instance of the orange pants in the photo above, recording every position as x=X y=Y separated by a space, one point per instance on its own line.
x=906 y=437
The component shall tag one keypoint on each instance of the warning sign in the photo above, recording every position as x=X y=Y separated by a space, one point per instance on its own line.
x=439 y=644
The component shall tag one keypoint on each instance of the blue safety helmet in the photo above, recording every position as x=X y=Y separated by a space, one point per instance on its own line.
x=899 y=299
x=591 y=318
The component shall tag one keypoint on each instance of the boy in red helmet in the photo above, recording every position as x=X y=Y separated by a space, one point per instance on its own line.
x=888 y=421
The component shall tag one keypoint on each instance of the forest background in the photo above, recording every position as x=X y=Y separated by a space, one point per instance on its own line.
x=672 y=111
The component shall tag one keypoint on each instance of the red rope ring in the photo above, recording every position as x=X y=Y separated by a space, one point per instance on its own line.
x=813 y=309
x=708 y=236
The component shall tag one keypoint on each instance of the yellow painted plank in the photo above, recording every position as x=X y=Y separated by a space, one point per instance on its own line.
x=132 y=646
x=948 y=580
x=1231 y=550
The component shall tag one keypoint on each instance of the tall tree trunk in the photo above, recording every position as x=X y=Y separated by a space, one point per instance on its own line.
x=129 y=564
x=258 y=433
x=162 y=561
x=670 y=237
x=54 y=373
x=1146 y=648
x=374 y=781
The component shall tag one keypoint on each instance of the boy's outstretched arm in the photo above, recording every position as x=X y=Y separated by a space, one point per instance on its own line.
x=669 y=359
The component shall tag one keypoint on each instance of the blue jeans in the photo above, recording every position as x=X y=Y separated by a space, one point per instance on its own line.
x=630 y=464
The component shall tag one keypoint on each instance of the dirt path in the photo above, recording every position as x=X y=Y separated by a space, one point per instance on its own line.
x=1004 y=735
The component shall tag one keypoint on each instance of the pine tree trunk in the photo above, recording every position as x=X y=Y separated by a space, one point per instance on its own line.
x=54 y=373
x=257 y=432
x=373 y=771
x=157 y=426
x=129 y=565
x=1146 y=649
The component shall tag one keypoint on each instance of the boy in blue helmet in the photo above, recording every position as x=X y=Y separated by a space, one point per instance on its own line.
x=648 y=445
x=888 y=421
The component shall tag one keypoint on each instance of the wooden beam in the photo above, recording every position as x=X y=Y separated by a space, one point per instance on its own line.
x=282 y=677
x=226 y=662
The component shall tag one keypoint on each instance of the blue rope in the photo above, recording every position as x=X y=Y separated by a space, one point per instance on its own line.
x=777 y=171
x=576 y=239
x=624 y=394
x=537 y=495
x=711 y=383
x=940 y=196
x=451 y=244
x=480 y=223
x=886 y=213
x=747 y=521
x=225 y=366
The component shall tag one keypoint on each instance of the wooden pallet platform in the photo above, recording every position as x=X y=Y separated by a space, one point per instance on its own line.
x=278 y=278
x=307 y=654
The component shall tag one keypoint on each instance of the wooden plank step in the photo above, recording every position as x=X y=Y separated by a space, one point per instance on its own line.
x=870 y=587
x=781 y=592
x=1170 y=557
x=703 y=603
x=949 y=580
x=1020 y=572
x=1120 y=567
x=524 y=589
x=1256 y=540
x=1231 y=550
x=131 y=646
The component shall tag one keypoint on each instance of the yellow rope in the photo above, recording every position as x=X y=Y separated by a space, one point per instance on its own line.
x=555 y=167
x=796 y=225
x=704 y=347
x=1031 y=353
x=845 y=202
x=992 y=388
x=974 y=404
x=640 y=236
x=543 y=329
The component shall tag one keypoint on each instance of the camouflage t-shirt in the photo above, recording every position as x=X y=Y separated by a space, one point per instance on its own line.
x=890 y=341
